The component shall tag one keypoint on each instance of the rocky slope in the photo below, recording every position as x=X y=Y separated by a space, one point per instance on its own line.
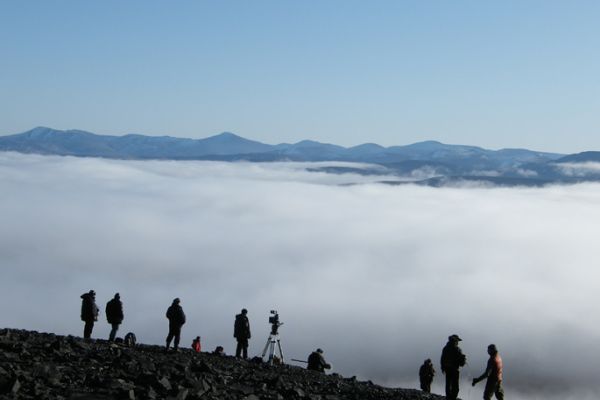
x=47 y=366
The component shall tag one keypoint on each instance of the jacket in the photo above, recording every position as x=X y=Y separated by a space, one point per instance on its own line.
x=176 y=315
x=114 y=311
x=241 y=328
x=316 y=362
x=89 y=310
x=452 y=358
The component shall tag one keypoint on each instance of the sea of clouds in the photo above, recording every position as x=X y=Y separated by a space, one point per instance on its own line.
x=376 y=275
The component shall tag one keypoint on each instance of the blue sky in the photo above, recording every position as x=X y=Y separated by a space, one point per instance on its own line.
x=493 y=74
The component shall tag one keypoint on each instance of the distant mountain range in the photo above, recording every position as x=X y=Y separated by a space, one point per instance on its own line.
x=429 y=162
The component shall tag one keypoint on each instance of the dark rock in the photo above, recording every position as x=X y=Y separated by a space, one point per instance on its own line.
x=16 y=386
x=165 y=384
x=43 y=366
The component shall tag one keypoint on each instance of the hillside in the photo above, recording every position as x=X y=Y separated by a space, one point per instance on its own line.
x=42 y=365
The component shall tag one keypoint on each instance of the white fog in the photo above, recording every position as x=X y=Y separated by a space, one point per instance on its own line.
x=378 y=276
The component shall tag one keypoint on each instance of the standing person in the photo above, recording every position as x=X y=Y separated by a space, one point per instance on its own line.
x=316 y=361
x=176 y=318
x=452 y=359
x=493 y=373
x=114 y=315
x=241 y=331
x=89 y=312
x=426 y=374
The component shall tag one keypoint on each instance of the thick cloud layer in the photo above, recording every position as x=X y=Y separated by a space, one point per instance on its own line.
x=378 y=276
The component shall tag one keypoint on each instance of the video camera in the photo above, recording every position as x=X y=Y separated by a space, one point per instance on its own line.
x=274 y=321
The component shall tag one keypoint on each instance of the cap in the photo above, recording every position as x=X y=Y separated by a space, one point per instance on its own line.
x=454 y=337
x=319 y=351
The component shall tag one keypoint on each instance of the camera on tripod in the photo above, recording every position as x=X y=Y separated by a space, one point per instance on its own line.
x=273 y=343
x=274 y=321
x=274 y=317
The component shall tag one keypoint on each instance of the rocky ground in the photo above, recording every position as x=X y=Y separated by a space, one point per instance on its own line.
x=47 y=366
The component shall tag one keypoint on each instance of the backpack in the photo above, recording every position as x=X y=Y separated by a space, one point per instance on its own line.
x=130 y=339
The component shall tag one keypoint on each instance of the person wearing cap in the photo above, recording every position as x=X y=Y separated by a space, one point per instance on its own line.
x=493 y=373
x=241 y=332
x=426 y=374
x=114 y=315
x=452 y=359
x=176 y=318
x=89 y=312
x=316 y=362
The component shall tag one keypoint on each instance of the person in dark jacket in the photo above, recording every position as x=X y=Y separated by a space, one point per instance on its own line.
x=426 y=374
x=114 y=315
x=241 y=331
x=89 y=312
x=493 y=373
x=316 y=362
x=452 y=359
x=176 y=318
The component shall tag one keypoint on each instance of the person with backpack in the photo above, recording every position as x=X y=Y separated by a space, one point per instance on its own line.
x=452 y=359
x=316 y=361
x=89 y=312
x=493 y=373
x=114 y=315
x=176 y=318
x=426 y=374
x=241 y=331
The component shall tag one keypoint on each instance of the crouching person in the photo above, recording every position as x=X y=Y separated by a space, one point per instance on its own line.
x=316 y=362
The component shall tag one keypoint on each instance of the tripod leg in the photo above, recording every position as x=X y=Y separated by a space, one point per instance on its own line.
x=271 y=351
x=266 y=347
x=280 y=351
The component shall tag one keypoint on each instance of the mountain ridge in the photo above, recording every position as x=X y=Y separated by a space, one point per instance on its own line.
x=431 y=158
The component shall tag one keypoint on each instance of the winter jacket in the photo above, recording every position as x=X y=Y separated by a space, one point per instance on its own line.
x=114 y=311
x=316 y=362
x=426 y=372
x=241 y=328
x=452 y=358
x=89 y=310
x=176 y=315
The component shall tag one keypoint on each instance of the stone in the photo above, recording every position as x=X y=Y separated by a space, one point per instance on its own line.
x=35 y=365
x=16 y=387
x=165 y=384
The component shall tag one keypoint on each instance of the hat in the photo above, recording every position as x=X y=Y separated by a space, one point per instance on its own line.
x=176 y=300
x=244 y=311
x=319 y=351
x=454 y=337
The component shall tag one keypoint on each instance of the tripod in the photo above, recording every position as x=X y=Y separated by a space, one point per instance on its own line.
x=271 y=342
